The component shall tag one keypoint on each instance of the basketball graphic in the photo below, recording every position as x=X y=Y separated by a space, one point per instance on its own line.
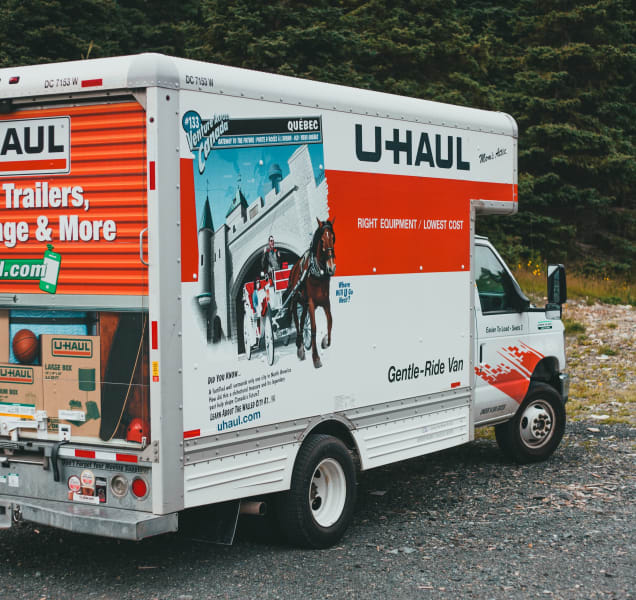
x=25 y=346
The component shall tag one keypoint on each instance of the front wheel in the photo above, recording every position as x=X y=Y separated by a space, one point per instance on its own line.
x=318 y=508
x=535 y=431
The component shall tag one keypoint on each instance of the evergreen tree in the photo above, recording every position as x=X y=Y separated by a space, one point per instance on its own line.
x=565 y=70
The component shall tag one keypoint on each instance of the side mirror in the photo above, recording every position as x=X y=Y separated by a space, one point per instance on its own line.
x=557 y=290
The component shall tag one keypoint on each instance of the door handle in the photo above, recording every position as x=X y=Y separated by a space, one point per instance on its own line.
x=141 y=245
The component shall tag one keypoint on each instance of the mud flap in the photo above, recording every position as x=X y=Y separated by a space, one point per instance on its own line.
x=6 y=515
x=215 y=524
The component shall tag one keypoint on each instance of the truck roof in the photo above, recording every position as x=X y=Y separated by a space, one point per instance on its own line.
x=68 y=79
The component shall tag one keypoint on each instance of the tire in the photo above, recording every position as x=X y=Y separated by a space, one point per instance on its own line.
x=307 y=332
x=535 y=431
x=318 y=508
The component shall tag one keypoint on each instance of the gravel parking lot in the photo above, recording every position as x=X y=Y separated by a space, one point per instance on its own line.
x=463 y=523
x=460 y=523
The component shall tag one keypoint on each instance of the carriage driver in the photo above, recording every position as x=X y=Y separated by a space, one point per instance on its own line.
x=270 y=261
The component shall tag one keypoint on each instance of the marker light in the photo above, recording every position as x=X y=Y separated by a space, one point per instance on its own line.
x=139 y=488
x=14 y=79
x=92 y=82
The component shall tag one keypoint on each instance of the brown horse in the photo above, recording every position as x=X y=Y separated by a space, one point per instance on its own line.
x=309 y=280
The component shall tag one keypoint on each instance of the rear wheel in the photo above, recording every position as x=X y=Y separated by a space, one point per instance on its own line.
x=318 y=508
x=535 y=431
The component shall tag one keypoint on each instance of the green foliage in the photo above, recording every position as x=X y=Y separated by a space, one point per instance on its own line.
x=572 y=326
x=564 y=70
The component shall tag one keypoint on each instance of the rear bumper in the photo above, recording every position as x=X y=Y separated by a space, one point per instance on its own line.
x=79 y=518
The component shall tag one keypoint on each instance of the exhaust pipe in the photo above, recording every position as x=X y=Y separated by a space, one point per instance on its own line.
x=254 y=507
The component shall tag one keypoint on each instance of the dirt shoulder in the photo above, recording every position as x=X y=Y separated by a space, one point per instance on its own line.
x=601 y=355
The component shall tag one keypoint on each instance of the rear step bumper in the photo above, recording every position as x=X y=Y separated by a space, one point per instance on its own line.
x=79 y=518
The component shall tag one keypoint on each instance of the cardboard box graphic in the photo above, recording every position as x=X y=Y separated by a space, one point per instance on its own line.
x=71 y=369
x=20 y=390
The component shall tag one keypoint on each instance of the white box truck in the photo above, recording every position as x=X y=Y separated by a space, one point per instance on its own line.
x=219 y=286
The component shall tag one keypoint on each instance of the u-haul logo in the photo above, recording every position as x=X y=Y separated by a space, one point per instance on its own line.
x=16 y=374
x=72 y=348
x=35 y=146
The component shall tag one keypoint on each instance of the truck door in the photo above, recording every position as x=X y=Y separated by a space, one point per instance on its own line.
x=73 y=268
x=501 y=379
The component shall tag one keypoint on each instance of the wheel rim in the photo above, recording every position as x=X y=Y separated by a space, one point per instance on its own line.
x=327 y=492
x=536 y=425
x=307 y=333
x=269 y=340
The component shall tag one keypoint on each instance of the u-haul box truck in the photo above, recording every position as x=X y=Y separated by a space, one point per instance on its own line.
x=220 y=286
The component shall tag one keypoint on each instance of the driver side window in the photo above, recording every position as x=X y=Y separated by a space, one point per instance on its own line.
x=495 y=287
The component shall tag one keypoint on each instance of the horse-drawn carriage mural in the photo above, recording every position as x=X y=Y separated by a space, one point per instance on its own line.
x=280 y=193
x=271 y=301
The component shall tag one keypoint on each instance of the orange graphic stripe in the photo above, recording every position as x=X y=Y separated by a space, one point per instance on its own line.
x=189 y=238
x=33 y=165
x=108 y=161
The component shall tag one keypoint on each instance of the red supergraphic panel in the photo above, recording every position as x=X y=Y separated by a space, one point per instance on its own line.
x=389 y=224
x=512 y=375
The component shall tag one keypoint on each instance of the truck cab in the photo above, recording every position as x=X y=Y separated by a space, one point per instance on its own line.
x=519 y=349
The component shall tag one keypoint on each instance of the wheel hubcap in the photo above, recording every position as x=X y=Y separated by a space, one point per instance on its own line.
x=328 y=492
x=537 y=424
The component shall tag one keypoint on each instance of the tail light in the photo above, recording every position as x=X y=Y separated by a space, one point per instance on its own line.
x=139 y=488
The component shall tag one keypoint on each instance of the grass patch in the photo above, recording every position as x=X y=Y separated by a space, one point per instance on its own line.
x=572 y=326
x=610 y=291
x=532 y=279
x=607 y=350
x=533 y=283
x=485 y=433
x=587 y=399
